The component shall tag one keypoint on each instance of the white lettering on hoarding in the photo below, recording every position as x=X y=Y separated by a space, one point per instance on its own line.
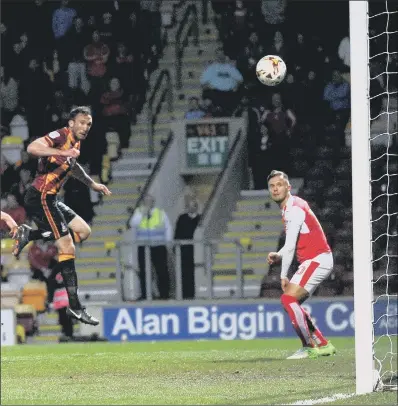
x=150 y=324
x=232 y=325
x=330 y=321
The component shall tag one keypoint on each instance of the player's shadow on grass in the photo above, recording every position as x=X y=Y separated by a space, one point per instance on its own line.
x=240 y=361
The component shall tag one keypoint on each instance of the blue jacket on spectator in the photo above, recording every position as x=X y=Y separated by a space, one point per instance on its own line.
x=221 y=76
x=338 y=95
x=62 y=21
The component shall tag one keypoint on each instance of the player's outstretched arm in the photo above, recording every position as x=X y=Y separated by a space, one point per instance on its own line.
x=41 y=148
x=79 y=173
x=11 y=224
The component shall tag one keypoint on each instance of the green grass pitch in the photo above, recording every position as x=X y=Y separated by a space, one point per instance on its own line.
x=205 y=372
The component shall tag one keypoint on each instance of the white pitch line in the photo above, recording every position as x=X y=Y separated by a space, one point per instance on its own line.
x=332 y=398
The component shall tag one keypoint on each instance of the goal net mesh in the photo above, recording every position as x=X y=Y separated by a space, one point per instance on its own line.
x=383 y=74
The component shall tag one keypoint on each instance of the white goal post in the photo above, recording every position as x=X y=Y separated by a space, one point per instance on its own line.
x=361 y=191
x=374 y=65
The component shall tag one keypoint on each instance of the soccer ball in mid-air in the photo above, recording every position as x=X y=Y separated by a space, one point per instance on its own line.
x=271 y=70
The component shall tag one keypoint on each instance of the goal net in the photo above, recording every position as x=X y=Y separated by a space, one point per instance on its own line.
x=383 y=97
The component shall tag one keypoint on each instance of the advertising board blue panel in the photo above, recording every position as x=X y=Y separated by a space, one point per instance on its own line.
x=239 y=320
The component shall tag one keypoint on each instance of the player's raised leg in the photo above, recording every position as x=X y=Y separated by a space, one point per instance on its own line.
x=66 y=265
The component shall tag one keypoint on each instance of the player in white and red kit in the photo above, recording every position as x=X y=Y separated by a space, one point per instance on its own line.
x=304 y=235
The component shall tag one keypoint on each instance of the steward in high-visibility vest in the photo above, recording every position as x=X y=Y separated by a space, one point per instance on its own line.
x=152 y=225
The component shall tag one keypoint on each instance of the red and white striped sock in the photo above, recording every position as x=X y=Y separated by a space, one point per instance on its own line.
x=316 y=334
x=299 y=320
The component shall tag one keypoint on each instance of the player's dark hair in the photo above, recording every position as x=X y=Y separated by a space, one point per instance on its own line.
x=277 y=173
x=86 y=111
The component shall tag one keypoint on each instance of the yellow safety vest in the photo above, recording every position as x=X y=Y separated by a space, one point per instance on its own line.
x=152 y=228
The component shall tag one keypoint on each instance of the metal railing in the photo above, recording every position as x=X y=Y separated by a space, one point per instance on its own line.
x=166 y=93
x=177 y=245
x=220 y=176
x=189 y=25
x=152 y=176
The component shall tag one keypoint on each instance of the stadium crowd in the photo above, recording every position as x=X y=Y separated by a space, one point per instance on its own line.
x=67 y=53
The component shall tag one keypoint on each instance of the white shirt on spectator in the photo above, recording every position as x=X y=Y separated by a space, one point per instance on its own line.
x=344 y=51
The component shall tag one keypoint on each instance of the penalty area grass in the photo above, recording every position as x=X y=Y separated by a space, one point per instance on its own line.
x=204 y=372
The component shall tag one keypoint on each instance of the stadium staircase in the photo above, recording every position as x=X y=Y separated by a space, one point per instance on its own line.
x=96 y=261
x=256 y=225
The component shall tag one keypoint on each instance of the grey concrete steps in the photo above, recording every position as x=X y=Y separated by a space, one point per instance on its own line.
x=256 y=246
x=271 y=224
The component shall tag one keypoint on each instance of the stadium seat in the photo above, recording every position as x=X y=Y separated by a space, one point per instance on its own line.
x=19 y=127
x=10 y=295
x=113 y=141
x=35 y=293
x=19 y=272
x=26 y=317
x=7 y=245
x=11 y=148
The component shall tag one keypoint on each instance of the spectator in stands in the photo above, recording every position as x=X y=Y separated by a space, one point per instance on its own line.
x=301 y=55
x=61 y=23
x=19 y=189
x=41 y=257
x=132 y=32
x=313 y=110
x=194 y=111
x=124 y=67
x=151 y=224
x=240 y=14
x=337 y=93
x=35 y=82
x=281 y=123
x=210 y=109
x=344 y=51
x=257 y=138
x=58 y=111
x=221 y=81
x=9 y=96
x=16 y=211
x=96 y=55
x=77 y=74
x=106 y=28
x=278 y=47
x=185 y=230
x=248 y=59
x=273 y=11
x=115 y=111
x=52 y=69
x=151 y=21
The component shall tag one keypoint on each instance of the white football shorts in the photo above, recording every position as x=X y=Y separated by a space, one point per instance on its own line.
x=313 y=271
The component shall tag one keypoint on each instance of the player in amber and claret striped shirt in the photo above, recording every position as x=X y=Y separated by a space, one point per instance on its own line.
x=57 y=153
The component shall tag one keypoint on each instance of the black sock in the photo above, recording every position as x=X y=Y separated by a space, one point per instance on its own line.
x=68 y=272
x=41 y=235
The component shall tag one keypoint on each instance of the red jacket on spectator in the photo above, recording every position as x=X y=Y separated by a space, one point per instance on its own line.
x=40 y=255
x=18 y=214
x=96 y=54
x=113 y=103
